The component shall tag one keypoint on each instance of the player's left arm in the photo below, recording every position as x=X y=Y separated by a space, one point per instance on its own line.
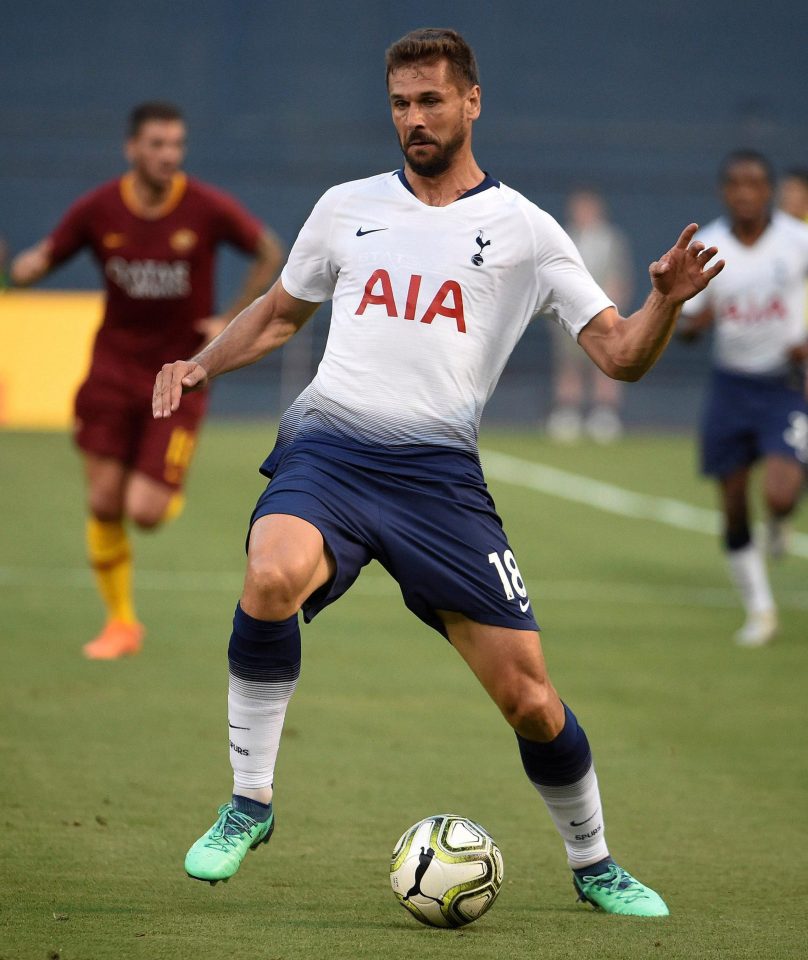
x=798 y=354
x=625 y=348
x=265 y=266
x=798 y=357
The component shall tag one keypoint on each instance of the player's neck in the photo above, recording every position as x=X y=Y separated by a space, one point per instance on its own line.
x=444 y=189
x=748 y=232
x=151 y=196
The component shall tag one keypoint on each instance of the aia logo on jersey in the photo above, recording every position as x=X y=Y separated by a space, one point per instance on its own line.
x=183 y=240
x=749 y=311
x=113 y=241
x=477 y=259
x=447 y=301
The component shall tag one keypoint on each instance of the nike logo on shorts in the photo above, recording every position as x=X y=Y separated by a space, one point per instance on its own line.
x=523 y=606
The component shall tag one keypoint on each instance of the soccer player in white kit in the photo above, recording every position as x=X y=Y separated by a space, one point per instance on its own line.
x=434 y=271
x=757 y=408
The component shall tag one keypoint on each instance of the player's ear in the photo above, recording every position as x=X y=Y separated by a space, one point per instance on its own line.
x=129 y=149
x=473 y=102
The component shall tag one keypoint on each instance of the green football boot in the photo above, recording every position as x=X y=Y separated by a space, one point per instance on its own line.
x=218 y=854
x=616 y=891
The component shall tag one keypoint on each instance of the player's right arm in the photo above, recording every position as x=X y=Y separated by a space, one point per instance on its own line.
x=32 y=264
x=70 y=235
x=262 y=327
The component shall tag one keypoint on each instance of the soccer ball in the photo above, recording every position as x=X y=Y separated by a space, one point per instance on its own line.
x=446 y=870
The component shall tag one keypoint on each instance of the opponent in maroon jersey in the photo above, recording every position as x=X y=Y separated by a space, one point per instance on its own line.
x=154 y=233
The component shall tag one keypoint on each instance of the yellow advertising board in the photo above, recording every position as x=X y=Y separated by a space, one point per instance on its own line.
x=45 y=343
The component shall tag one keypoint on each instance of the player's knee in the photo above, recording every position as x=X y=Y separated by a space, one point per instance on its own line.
x=780 y=502
x=107 y=509
x=528 y=708
x=145 y=517
x=278 y=585
x=146 y=508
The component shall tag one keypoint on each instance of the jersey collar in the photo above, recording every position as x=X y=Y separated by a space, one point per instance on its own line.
x=175 y=194
x=485 y=184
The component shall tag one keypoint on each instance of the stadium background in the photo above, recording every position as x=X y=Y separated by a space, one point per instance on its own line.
x=109 y=774
x=284 y=99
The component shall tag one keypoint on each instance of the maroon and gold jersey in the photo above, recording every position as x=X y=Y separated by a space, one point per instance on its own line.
x=158 y=270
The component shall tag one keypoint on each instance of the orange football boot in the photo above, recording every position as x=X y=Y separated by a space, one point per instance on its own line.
x=116 y=640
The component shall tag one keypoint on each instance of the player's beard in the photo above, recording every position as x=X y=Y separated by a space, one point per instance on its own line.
x=439 y=161
x=158 y=178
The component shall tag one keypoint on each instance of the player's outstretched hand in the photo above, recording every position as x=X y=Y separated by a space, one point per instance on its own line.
x=31 y=265
x=683 y=271
x=172 y=381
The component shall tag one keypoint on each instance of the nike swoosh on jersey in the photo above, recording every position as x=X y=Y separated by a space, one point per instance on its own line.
x=524 y=607
x=363 y=233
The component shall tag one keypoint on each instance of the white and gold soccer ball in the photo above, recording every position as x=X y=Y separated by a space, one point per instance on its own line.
x=446 y=870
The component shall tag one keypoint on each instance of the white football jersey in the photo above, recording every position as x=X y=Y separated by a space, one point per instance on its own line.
x=427 y=305
x=758 y=299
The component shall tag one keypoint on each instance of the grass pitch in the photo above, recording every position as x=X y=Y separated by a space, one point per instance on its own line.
x=111 y=770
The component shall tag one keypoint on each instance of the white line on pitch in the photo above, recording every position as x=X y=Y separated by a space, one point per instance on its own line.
x=611 y=498
x=378 y=584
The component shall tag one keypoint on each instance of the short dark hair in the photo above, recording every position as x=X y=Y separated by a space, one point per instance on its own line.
x=745 y=156
x=152 y=110
x=797 y=173
x=431 y=44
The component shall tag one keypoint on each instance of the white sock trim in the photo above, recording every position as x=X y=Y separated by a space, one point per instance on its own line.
x=256 y=711
x=577 y=813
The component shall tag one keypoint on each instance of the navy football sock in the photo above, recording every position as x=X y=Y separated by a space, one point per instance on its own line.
x=560 y=761
x=253 y=808
x=561 y=771
x=595 y=869
x=737 y=538
x=264 y=658
x=264 y=650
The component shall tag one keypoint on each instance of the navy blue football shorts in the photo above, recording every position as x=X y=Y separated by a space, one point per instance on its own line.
x=423 y=512
x=747 y=418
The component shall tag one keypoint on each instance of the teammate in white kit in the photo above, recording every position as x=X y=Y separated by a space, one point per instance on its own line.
x=434 y=272
x=757 y=407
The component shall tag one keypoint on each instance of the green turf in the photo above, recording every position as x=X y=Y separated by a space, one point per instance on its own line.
x=111 y=770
